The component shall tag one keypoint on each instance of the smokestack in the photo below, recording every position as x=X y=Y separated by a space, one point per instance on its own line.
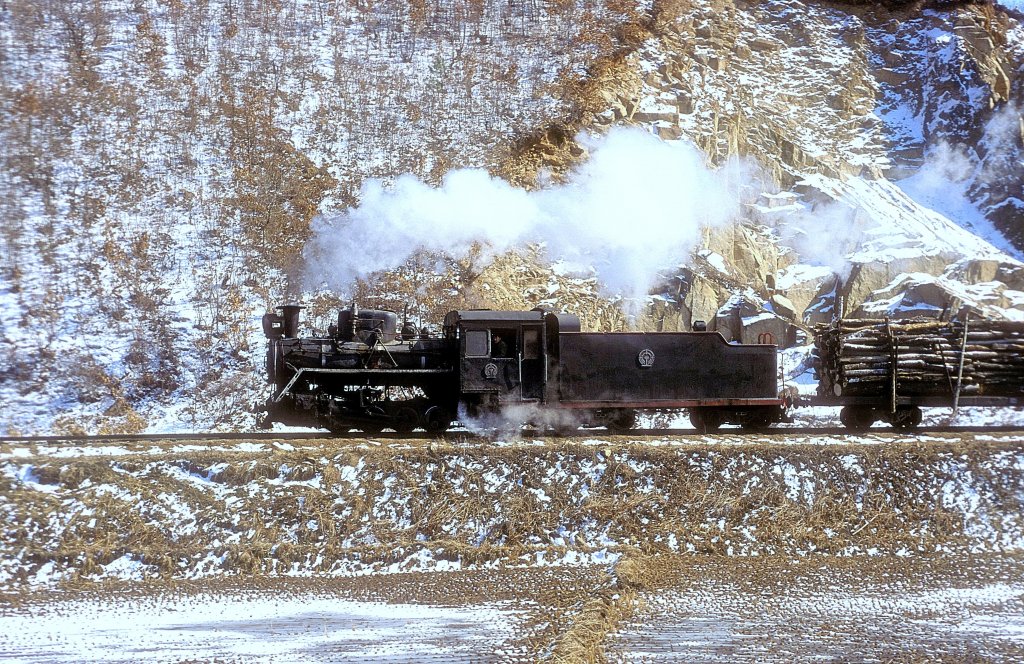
x=290 y=313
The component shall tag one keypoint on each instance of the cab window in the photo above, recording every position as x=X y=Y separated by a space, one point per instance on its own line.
x=476 y=343
x=503 y=342
x=531 y=344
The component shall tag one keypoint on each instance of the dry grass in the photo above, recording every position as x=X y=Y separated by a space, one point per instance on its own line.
x=584 y=639
x=328 y=508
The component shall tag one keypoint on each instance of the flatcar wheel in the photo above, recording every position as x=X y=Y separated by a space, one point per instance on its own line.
x=705 y=420
x=906 y=417
x=856 y=418
x=405 y=420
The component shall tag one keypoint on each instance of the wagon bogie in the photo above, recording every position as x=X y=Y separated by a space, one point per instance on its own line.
x=905 y=417
x=857 y=417
x=754 y=418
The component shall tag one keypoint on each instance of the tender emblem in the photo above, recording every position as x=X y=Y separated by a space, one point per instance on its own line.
x=646 y=358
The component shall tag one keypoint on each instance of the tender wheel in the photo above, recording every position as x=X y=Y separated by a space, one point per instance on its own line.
x=705 y=420
x=906 y=417
x=856 y=418
x=565 y=430
x=622 y=420
x=756 y=423
x=405 y=420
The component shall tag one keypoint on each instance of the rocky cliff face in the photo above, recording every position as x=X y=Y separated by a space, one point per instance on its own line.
x=886 y=145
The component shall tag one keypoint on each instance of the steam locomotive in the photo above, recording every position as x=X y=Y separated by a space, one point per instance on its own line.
x=537 y=366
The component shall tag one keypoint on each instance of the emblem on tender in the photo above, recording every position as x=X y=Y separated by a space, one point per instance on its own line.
x=646 y=358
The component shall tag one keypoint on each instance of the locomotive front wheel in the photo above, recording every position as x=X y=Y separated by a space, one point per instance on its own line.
x=405 y=420
x=371 y=428
x=436 y=420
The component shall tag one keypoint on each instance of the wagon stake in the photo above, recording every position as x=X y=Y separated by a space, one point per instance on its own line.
x=960 y=369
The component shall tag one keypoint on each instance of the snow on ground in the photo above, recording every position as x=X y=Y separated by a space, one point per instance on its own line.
x=909 y=616
x=936 y=188
x=251 y=628
x=900 y=227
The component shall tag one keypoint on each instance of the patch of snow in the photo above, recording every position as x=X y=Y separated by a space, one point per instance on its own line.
x=252 y=628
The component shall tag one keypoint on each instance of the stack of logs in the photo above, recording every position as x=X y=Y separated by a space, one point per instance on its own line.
x=856 y=357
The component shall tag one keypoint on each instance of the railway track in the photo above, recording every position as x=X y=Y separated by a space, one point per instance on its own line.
x=456 y=434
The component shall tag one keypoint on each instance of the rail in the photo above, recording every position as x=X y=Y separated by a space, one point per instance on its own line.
x=459 y=434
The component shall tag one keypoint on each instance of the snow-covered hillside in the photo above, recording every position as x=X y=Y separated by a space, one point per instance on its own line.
x=169 y=171
x=161 y=164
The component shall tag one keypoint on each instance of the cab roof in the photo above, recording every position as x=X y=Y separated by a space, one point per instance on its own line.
x=565 y=322
x=490 y=315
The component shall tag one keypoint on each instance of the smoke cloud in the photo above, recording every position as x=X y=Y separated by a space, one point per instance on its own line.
x=824 y=234
x=637 y=205
x=958 y=180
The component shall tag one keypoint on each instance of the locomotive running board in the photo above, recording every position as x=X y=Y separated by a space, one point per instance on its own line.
x=298 y=372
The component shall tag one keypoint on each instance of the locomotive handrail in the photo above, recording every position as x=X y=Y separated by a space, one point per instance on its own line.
x=384 y=348
x=288 y=387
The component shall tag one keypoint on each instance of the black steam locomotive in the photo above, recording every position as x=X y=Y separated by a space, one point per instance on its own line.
x=534 y=366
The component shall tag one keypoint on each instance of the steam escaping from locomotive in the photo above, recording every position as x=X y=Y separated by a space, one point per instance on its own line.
x=635 y=207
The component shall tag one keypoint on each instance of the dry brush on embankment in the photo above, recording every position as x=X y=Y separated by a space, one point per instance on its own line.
x=333 y=509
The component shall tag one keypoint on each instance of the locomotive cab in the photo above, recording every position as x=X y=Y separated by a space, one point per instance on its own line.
x=503 y=355
x=507 y=358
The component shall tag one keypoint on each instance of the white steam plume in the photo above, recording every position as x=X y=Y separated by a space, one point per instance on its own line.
x=635 y=206
x=824 y=234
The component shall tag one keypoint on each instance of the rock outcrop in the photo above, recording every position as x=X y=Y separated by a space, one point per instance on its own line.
x=834 y=104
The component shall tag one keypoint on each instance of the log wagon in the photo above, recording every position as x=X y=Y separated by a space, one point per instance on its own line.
x=887 y=370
